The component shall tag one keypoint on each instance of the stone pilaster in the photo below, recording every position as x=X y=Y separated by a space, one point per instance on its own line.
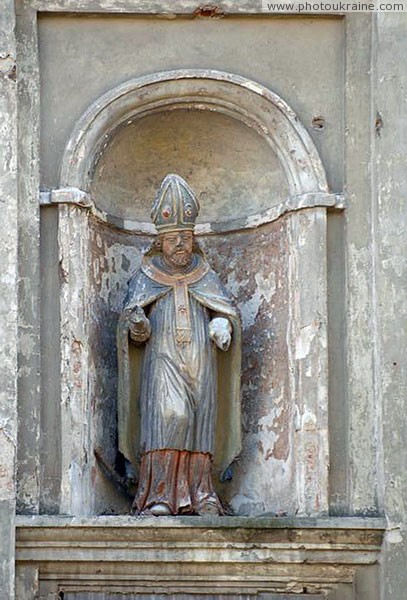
x=8 y=294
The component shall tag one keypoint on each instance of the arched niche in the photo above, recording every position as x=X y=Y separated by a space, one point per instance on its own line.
x=272 y=259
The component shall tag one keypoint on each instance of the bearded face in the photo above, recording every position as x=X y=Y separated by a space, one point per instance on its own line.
x=177 y=248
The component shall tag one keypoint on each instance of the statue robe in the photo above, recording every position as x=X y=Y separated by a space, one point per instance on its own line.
x=184 y=396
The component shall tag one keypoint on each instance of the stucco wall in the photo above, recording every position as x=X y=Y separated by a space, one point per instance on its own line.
x=301 y=59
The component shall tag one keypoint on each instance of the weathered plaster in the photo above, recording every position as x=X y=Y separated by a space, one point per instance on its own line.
x=29 y=402
x=263 y=475
x=191 y=143
x=363 y=407
x=113 y=257
x=163 y=7
x=390 y=276
x=373 y=478
x=337 y=376
x=50 y=483
x=75 y=317
x=8 y=295
x=308 y=359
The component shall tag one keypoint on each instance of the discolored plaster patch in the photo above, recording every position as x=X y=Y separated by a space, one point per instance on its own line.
x=253 y=266
x=114 y=256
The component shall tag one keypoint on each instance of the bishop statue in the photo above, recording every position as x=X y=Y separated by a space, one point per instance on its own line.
x=179 y=352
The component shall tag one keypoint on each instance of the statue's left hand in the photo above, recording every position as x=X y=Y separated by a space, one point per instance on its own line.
x=220 y=331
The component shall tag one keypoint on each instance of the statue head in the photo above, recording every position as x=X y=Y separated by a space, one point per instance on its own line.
x=174 y=213
x=177 y=248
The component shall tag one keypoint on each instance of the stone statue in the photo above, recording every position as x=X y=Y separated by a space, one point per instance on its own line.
x=179 y=399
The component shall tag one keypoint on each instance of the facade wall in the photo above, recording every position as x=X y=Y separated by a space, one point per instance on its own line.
x=350 y=71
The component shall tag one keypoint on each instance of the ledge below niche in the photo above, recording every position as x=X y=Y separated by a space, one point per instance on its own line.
x=196 y=555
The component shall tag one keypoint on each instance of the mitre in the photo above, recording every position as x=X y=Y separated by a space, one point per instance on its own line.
x=175 y=207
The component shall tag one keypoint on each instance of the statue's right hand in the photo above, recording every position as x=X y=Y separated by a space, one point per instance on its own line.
x=139 y=325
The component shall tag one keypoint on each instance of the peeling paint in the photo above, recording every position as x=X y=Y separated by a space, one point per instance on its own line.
x=7 y=465
x=394 y=536
x=304 y=341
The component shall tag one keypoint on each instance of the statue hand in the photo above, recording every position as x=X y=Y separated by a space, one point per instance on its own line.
x=139 y=325
x=220 y=331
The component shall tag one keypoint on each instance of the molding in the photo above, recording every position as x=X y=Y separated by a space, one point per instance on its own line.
x=261 y=522
x=73 y=244
x=165 y=8
x=293 y=203
x=195 y=553
x=66 y=196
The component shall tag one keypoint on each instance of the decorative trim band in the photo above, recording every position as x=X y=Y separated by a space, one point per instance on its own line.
x=293 y=203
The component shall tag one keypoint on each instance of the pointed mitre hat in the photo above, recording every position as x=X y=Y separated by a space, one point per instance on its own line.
x=175 y=207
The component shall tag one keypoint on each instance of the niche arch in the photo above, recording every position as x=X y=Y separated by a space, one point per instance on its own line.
x=207 y=90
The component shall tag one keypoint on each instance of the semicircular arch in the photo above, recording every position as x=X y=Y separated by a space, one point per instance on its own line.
x=238 y=97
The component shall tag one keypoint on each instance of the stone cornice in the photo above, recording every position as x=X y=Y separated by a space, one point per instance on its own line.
x=350 y=541
x=196 y=554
